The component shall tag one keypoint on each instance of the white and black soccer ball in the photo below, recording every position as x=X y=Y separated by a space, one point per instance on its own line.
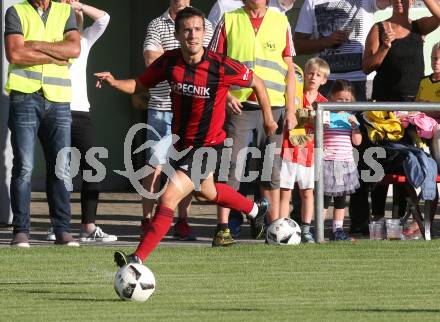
x=283 y=231
x=134 y=282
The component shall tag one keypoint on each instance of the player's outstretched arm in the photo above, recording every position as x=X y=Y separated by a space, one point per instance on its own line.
x=128 y=86
x=270 y=126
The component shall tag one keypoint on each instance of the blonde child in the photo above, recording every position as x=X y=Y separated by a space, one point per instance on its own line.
x=429 y=88
x=297 y=150
x=340 y=171
x=429 y=91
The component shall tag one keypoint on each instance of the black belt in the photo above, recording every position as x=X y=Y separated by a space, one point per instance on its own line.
x=40 y=92
x=256 y=107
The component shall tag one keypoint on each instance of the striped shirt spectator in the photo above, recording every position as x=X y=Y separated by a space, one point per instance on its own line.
x=337 y=145
x=160 y=38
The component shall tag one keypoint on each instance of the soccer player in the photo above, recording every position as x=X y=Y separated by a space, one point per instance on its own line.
x=159 y=39
x=199 y=81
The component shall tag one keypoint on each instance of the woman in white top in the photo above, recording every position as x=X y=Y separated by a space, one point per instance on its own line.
x=83 y=134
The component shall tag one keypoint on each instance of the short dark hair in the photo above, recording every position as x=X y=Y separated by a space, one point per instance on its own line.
x=267 y=1
x=186 y=13
x=342 y=85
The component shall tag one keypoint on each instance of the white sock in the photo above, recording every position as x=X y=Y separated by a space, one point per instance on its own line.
x=254 y=211
x=337 y=224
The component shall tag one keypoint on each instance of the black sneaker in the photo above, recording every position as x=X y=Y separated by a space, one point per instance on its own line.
x=20 y=240
x=360 y=229
x=121 y=259
x=65 y=239
x=257 y=223
x=340 y=235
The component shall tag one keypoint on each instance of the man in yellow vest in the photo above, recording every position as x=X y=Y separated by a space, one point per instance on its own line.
x=260 y=38
x=40 y=38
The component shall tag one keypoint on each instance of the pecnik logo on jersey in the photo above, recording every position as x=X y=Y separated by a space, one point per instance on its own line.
x=190 y=90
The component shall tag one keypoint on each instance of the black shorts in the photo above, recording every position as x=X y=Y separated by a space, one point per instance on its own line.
x=199 y=163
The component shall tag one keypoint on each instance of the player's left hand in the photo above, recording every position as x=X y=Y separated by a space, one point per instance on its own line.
x=270 y=127
x=291 y=121
x=234 y=104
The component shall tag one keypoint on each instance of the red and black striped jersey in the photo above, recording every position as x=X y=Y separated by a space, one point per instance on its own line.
x=198 y=93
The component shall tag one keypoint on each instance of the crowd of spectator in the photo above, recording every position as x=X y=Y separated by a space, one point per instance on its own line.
x=47 y=47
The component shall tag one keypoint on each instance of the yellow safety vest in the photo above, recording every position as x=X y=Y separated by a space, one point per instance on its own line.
x=261 y=52
x=53 y=79
x=299 y=87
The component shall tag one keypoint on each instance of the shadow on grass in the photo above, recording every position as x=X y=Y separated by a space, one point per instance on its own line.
x=43 y=283
x=48 y=292
x=83 y=299
x=63 y=292
x=229 y=309
x=379 y=310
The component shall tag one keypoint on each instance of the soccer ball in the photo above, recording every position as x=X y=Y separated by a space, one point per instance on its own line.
x=283 y=231
x=134 y=282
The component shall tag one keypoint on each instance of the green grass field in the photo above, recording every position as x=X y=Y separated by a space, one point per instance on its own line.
x=363 y=281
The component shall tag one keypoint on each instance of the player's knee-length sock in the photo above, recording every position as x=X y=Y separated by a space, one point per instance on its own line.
x=229 y=198
x=159 y=226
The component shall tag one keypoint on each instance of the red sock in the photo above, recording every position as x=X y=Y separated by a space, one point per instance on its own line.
x=159 y=226
x=229 y=198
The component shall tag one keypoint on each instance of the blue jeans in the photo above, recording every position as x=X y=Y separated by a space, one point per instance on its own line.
x=31 y=115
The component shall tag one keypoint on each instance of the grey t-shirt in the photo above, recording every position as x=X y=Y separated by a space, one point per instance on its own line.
x=13 y=23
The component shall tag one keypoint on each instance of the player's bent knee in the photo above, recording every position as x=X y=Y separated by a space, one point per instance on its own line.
x=169 y=201
x=201 y=197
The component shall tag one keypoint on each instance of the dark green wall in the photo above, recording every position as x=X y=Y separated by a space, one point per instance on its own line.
x=119 y=50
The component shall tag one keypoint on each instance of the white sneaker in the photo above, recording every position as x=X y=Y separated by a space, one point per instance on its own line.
x=50 y=235
x=96 y=236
